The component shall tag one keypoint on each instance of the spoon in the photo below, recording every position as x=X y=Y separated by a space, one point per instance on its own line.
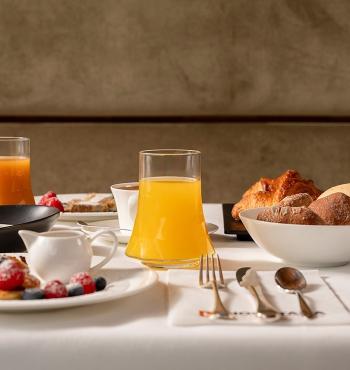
x=293 y=281
x=248 y=278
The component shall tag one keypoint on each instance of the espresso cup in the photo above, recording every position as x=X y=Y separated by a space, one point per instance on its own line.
x=126 y=198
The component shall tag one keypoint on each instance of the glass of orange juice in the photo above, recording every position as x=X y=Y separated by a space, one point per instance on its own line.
x=169 y=229
x=15 y=183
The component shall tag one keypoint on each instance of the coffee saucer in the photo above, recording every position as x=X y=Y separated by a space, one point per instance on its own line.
x=123 y=235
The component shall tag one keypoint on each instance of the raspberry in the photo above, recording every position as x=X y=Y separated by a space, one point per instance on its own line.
x=85 y=280
x=11 y=275
x=55 y=289
x=45 y=197
x=54 y=202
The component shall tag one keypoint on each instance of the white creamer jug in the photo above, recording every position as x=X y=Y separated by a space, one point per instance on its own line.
x=60 y=254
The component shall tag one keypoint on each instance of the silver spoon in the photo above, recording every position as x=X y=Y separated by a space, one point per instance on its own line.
x=293 y=281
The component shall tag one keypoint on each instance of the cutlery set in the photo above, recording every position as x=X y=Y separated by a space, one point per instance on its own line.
x=288 y=279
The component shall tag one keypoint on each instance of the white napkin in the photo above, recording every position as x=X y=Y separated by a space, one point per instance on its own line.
x=186 y=299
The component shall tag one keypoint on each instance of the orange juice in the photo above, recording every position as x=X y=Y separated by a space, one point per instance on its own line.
x=15 y=184
x=169 y=225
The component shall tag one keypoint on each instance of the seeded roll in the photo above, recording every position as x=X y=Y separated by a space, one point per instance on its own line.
x=290 y=215
x=334 y=209
x=296 y=200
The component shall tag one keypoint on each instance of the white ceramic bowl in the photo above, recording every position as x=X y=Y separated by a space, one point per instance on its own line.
x=303 y=245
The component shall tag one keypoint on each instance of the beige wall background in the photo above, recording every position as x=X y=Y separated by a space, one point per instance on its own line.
x=137 y=57
x=90 y=157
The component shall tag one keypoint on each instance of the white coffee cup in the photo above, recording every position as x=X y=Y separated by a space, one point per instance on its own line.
x=126 y=198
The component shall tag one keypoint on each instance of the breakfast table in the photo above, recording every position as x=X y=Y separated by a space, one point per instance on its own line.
x=134 y=332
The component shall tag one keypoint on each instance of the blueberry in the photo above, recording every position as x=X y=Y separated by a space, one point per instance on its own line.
x=75 y=290
x=33 y=293
x=100 y=283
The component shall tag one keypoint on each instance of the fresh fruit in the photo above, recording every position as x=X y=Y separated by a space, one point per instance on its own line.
x=11 y=275
x=54 y=202
x=75 y=289
x=55 y=289
x=85 y=280
x=30 y=281
x=100 y=283
x=33 y=293
x=45 y=197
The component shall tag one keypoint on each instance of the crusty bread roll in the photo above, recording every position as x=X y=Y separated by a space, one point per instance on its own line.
x=334 y=209
x=296 y=200
x=290 y=215
x=344 y=188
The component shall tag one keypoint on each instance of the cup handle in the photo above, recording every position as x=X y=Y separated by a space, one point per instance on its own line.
x=132 y=204
x=112 y=252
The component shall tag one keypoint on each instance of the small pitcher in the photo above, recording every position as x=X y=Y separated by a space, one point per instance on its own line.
x=60 y=254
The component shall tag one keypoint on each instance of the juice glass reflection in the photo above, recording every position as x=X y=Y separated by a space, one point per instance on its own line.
x=15 y=182
x=169 y=229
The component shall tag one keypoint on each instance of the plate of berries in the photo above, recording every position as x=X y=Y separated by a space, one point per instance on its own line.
x=21 y=291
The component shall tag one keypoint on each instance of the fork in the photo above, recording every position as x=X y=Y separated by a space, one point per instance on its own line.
x=207 y=284
x=219 y=311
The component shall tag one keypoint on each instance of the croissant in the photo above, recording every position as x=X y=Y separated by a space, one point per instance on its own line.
x=269 y=192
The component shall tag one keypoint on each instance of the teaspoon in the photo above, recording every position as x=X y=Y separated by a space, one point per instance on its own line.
x=293 y=281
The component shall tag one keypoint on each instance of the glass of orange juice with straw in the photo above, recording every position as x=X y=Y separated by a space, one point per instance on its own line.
x=169 y=229
x=15 y=182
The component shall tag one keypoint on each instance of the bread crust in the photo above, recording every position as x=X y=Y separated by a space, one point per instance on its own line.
x=296 y=200
x=334 y=209
x=290 y=215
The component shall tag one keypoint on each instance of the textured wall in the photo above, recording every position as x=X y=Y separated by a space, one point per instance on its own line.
x=120 y=57
x=91 y=157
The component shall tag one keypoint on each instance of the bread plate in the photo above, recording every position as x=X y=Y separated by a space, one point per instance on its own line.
x=302 y=245
x=82 y=216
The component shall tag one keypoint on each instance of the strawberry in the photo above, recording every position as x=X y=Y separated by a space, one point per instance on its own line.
x=55 y=289
x=85 y=280
x=45 y=197
x=54 y=202
x=11 y=275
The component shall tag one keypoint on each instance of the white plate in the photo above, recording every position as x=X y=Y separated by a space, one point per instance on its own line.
x=124 y=235
x=82 y=216
x=302 y=245
x=121 y=283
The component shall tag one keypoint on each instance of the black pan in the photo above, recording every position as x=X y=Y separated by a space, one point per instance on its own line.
x=23 y=217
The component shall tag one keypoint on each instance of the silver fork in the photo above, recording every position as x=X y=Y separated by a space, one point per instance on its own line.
x=207 y=284
x=219 y=311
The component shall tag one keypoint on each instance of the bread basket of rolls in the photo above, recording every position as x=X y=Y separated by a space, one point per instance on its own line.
x=293 y=220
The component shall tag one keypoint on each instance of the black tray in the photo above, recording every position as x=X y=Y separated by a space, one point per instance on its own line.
x=232 y=226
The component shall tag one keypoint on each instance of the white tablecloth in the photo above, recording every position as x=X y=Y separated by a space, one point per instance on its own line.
x=132 y=333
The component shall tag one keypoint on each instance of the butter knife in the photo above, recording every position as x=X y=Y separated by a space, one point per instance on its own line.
x=248 y=278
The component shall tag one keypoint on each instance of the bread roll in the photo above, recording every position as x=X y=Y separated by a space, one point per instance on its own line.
x=269 y=192
x=334 y=209
x=344 y=188
x=290 y=215
x=297 y=200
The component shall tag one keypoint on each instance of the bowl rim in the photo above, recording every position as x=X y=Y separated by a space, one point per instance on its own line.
x=8 y=228
x=277 y=224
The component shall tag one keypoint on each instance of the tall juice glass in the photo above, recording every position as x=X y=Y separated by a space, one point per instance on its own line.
x=169 y=229
x=15 y=182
